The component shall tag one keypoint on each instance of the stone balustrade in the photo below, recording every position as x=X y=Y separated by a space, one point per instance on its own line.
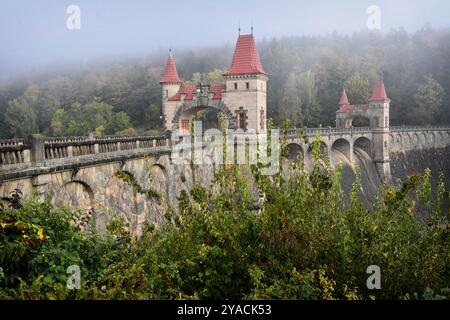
x=36 y=150
x=327 y=131
x=419 y=128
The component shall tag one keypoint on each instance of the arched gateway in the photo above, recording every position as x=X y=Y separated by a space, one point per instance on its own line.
x=241 y=97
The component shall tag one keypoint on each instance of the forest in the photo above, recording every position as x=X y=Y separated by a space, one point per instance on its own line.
x=307 y=73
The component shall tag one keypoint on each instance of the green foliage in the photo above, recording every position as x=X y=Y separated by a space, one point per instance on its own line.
x=94 y=116
x=131 y=180
x=20 y=114
x=298 y=239
x=429 y=99
x=358 y=89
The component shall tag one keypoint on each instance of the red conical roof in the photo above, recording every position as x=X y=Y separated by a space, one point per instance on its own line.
x=344 y=99
x=170 y=73
x=246 y=58
x=378 y=92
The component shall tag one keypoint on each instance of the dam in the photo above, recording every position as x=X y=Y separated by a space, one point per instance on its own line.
x=79 y=172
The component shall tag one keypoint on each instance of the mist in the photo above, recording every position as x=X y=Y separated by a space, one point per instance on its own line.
x=34 y=34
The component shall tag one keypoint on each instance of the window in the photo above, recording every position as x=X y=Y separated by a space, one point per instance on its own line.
x=242 y=120
x=235 y=86
x=247 y=85
x=185 y=126
x=386 y=122
x=167 y=93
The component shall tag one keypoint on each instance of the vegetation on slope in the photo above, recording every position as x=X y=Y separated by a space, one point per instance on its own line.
x=302 y=238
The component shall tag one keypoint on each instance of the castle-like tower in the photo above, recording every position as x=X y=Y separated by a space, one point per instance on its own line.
x=242 y=97
x=377 y=111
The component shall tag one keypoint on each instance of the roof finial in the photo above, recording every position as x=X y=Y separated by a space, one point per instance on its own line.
x=252 y=27
x=239 y=28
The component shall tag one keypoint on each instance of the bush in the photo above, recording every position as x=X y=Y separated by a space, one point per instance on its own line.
x=299 y=237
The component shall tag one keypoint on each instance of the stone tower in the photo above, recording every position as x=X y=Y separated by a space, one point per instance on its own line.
x=378 y=111
x=246 y=86
x=170 y=84
x=242 y=97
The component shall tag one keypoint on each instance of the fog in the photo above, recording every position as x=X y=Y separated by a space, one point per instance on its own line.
x=34 y=34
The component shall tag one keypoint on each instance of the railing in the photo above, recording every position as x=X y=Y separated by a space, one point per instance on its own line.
x=418 y=128
x=293 y=132
x=20 y=153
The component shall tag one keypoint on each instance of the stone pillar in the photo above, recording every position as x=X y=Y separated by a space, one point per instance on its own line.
x=40 y=183
x=380 y=149
x=69 y=151
x=37 y=151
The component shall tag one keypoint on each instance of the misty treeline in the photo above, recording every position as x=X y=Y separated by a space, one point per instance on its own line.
x=307 y=74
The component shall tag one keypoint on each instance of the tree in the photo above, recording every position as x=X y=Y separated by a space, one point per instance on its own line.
x=57 y=122
x=358 y=88
x=291 y=102
x=118 y=122
x=428 y=99
x=20 y=114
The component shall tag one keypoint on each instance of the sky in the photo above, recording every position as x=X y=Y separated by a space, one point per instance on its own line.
x=35 y=33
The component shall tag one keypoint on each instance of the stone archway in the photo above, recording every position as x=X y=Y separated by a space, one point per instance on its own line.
x=188 y=109
x=74 y=195
x=361 y=119
x=295 y=152
x=343 y=146
x=364 y=144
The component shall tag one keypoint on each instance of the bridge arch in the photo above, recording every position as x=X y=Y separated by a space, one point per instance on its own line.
x=324 y=151
x=159 y=178
x=439 y=138
x=422 y=139
x=74 y=194
x=406 y=139
x=342 y=145
x=364 y=144
x=431 y=138
x=415 y=141
x=295 y=152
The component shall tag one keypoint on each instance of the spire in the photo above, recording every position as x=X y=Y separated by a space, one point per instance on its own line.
x=170 y=72
x=246 y=58
x=344 y=99
x=378 y=92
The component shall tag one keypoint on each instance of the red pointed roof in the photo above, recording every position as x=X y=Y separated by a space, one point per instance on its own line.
x=170 y=73
x=378 y=92
x=246 y=58
x=344 y=99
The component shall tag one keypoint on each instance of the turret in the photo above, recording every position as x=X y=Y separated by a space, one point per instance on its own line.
x=379 y=106
x=170 y=84
x=379 y=113
x=246 y=86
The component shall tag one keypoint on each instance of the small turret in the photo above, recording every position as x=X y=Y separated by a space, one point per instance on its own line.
x=170 y=85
